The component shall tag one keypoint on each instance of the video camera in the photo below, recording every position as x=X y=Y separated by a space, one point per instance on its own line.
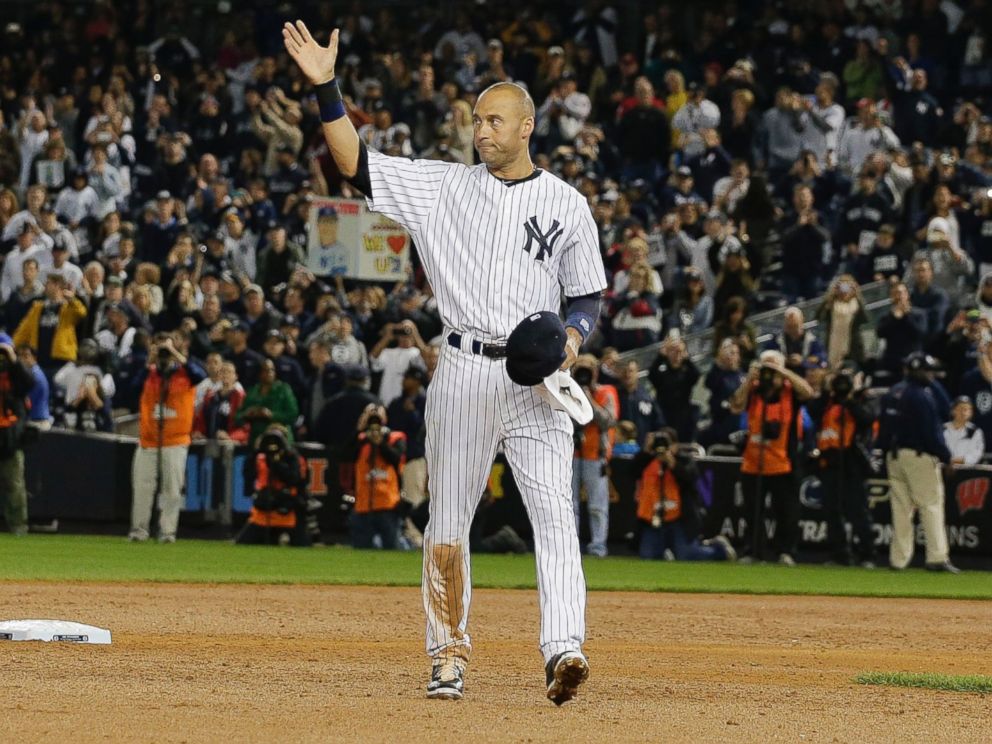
x=583 y=376
x=842 y=385
x=661 y=444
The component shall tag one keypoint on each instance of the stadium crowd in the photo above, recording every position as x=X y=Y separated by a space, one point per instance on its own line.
x=157 y=166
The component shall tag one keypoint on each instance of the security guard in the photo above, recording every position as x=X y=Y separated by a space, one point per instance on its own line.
x=912 y=437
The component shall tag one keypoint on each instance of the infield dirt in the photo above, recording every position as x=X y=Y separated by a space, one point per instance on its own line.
x=319 y=663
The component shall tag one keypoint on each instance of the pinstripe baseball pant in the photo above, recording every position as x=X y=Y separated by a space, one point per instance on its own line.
x=473 y=407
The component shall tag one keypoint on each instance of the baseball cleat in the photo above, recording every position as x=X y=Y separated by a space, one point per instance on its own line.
x=447 y=680
x=564 y=674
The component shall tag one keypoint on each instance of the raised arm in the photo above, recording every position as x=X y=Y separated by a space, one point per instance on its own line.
x=317 y=63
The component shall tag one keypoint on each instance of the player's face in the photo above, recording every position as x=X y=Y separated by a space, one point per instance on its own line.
x=328 y=230
x=502 y=128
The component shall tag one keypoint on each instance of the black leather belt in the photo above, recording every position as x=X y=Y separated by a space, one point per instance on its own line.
x=493 y=351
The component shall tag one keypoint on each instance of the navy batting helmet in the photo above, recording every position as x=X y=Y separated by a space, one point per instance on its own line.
x=536 y=348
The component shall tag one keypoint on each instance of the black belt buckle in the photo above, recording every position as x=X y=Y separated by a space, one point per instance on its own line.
x=494 y=351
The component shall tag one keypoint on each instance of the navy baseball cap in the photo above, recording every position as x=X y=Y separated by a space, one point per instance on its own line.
x=327 y=211
x=536 y=348
x=919 y=361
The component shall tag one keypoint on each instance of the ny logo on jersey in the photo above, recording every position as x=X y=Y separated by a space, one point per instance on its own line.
x=545 y=241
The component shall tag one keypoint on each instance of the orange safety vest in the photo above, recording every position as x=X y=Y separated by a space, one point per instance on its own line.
x=654 y=487
x=606 y=397
x=177 y=410
x=377 y=485
x=836 y=430
x=266 y=518
x=775 y=460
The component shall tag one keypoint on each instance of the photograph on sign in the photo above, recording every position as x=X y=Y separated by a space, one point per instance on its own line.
x=335 y=230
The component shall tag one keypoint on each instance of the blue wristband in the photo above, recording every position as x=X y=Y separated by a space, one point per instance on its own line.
x=329 y=101
x=582 y=322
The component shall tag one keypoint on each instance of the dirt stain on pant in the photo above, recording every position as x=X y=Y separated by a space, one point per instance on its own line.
x=445 y=597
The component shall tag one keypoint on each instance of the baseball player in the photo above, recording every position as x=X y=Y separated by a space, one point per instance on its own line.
x=500 y=242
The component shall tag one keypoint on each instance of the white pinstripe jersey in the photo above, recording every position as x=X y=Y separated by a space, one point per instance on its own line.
x=493 y=252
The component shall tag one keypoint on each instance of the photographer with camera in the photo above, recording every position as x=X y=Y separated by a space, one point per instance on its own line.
x=280 y=497
x=15 y=385
x=393 y=361
x=166 y=424
x=772 y=396
x=844 y=422
x=593 y=445
x=378 y=467
x=668 y=505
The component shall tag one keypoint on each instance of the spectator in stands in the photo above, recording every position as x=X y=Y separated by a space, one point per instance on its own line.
x=863 y=136
x=862 y=216
x=50 y=325
x=261 y=316
x=668 y=505
x=977 y=385
x=393 y=361
x=782 y=132
x=692 y=311
x=734 y=280
x=86 y=391
x=794 y=342
x=644 y=139
x=727 y=191
x=928 y=297
x=738 y=131
x=711 y=165
x=965 y=441
x=271 y=401
x=247 y=361
x=884 y=261
x=166 y=425
x=843 y=316
x=324 y=382
x=709 y=252
x=825 y=120
x=917 y=113
x=903 y=329
x=40 y=394
x=697 y=114
x=592 y=451
x=673 y=375
x=723 y=378
x=771 y=396
x=636 y=313
x=863 y=74
x=636 y=403
x=949 y=264
x=217 y=417
x=635 y=250
x=733 y=324
x=78 y=207
x=805 y=244
x=278 y=259
x=23 y=296
x=287 y=368
x=212 y=382
x=380 y=456
x=27 y=246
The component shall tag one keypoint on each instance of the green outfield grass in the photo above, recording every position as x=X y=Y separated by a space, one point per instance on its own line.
x=949 y=682
x=88 y=558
